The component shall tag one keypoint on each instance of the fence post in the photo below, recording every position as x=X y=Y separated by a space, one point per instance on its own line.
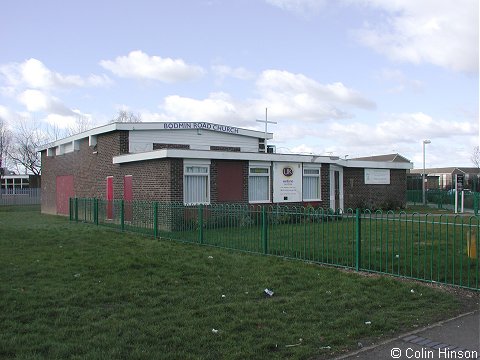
x=475 y=202
x=358 y=239
x=264 y=231
x=200 y=223
x=155 y=220
x=76 y=209
x=95 y=211
x=122 y=214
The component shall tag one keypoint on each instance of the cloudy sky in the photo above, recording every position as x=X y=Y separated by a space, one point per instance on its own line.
x=344 y=77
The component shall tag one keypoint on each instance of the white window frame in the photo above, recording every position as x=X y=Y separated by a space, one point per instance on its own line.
x=196 y=163
x=260 y=165
x=319 y=176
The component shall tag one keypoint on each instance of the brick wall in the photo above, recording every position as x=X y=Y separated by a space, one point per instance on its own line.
x=160 y=146
x=225 y=148
x=358 y=194
x=160 y=180
x=124 y=143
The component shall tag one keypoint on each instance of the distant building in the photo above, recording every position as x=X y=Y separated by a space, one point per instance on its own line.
x=443 y=178
x=203 y=163
x=15 y=184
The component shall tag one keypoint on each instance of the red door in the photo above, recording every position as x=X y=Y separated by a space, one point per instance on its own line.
x=109 y=197
x=128 y=196
x=230 y=181
x=64 y=191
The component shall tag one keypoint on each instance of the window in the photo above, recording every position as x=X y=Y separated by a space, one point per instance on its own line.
x=311 y=184
x=196 y=183
x=259 y=183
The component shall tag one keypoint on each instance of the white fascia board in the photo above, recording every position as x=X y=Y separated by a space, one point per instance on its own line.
x=228 y=155
x=8 y=177
x=375 y=164
x=150 y=155
x=86 y=134
x=219 y=155
x=161 y=126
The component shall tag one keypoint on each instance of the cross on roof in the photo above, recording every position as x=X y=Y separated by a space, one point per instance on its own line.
x=266 y=121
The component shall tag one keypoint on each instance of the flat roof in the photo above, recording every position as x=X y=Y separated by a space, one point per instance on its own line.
x=256 y=156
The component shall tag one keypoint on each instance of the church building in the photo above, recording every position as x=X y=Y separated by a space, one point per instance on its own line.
x=204 y=163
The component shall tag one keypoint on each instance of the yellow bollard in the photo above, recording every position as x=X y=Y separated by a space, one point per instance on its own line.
x=472 y=244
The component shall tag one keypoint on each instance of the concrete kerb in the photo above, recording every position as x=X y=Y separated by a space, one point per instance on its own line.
x=404 y=335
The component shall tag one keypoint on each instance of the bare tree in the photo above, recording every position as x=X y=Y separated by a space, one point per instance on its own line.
x=476 y=156
x=54 y=132
x=5 y=141
x=25 y=141
x=83 y=123
x=127 y=116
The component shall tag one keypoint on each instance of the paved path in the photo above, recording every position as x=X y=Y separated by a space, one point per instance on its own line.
x=457 y=338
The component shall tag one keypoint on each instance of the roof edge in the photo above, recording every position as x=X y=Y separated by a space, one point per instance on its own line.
x=118 y=126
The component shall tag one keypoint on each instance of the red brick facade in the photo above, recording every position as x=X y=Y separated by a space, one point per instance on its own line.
x=358 y=194
x=162 y=179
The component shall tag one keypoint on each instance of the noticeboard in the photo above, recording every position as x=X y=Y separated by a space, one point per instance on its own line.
x=287 y=182
x=377 y=176
x=460 y=178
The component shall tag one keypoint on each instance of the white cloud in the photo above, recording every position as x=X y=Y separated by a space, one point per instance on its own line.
x=287 y=96
x=400 y=128
x=218 y=107
x=60 y=121
x=400 y=80
x=287 y=132
x=439 y=32
x=295 y=96
x=299 y=7
x=5 y=114
x=32 y=73
x=223 y=71
x=68 y=122
x=38 y=101
x=138 y=65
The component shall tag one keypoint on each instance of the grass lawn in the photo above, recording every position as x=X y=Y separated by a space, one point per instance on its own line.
x=79 y=291
x=424 y=209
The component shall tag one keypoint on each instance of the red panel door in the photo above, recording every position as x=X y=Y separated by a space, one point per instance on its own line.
x=230 y=181
x=128 y=196
x=109 y=197
x=64 y=191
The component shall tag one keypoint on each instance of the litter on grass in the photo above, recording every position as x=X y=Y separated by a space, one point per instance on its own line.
x=297 y=344
x=268 y=292
x=215 y=331
x=368 y=322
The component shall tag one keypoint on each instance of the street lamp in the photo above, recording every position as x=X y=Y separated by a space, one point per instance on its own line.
x=423 y=174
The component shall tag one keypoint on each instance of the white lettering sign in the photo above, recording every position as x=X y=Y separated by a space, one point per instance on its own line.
x=200 y=125
x=287 y=182
x=377 y=176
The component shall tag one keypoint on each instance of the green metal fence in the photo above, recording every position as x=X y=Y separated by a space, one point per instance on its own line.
x=445 y=199
x=435 y=248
